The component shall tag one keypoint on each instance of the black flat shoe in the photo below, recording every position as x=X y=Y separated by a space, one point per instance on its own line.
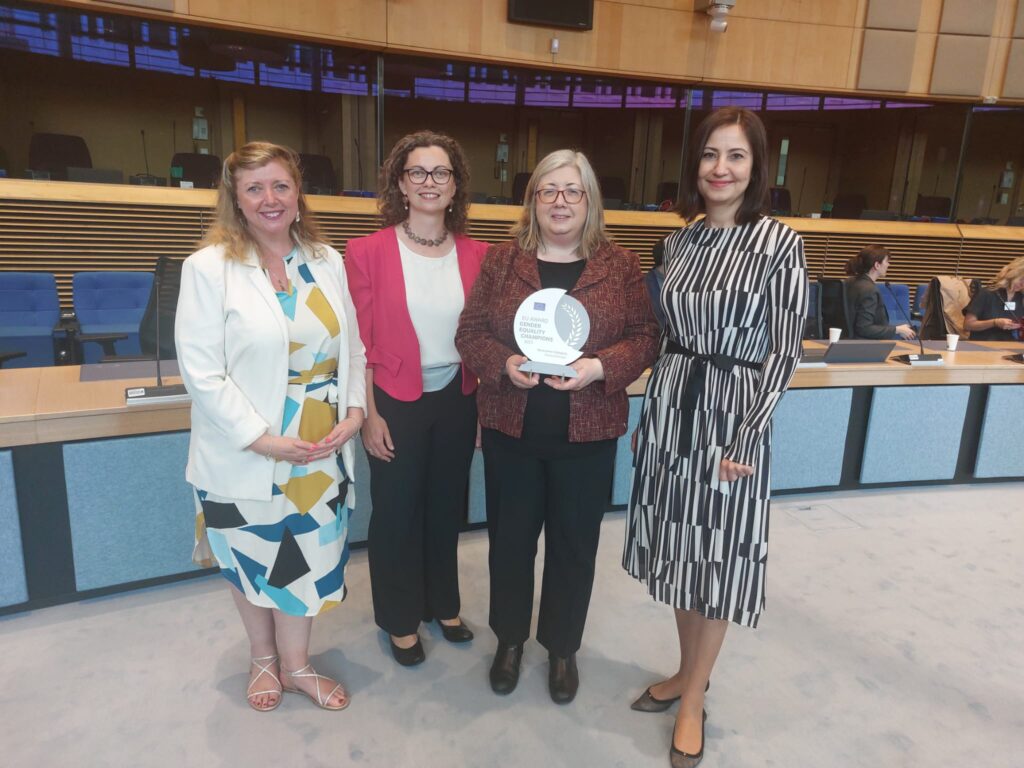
x=563 y=678
x=679 y=759
x=459 y=633
x=649 y=703
x=408 y=657
x=505 y=669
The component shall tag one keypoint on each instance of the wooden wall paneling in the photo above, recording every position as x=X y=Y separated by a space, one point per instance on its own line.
x=1018 y=22
x=840 y=13
x=960 y=65
x=968 y=17
x=924 y=63
x=886 y=60
x=893 y=14
x=996 y=67
x=360 y=21
x=1013 y=80
x=758 y=52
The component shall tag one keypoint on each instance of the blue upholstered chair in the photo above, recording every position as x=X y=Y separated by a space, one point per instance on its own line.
x=897 y=303
x=110 y=303
x=29 y=311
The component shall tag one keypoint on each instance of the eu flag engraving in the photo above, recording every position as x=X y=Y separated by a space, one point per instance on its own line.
x=538 y=306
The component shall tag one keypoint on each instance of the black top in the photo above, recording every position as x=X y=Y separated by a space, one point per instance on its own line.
x=868 y=315
x=547 y=409
x=988 y=305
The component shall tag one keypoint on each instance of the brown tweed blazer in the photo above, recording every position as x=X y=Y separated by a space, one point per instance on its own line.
x=623 y=336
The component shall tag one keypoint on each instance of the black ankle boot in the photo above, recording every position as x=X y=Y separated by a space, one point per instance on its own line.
x=505 y=669
x=563 y=678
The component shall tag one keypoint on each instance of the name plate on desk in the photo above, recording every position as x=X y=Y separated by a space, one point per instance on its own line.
x=173 y=393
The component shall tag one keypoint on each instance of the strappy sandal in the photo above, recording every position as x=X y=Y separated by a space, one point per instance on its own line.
x=320 y=701
x=264 y=670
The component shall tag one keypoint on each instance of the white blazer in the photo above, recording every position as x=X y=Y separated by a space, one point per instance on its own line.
x=232 y=343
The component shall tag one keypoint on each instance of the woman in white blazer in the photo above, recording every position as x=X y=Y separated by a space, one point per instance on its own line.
x=269 y=349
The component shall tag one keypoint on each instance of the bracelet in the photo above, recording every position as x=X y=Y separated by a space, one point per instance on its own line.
x=269 y=456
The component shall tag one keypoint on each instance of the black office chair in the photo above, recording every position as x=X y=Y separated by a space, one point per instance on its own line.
x=668 y=190
x=812 y=328
x=202 y=170
x=1015 y=221
x=318 y=177
x=780 y=201
x=933 y=206
x=55 y=152
x=519 y=182
x=613 y=188
x=5 y=356
x=834 y=310
x=848 y=205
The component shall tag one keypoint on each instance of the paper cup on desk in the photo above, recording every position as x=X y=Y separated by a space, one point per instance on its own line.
x=834 y=334
x=951 y=341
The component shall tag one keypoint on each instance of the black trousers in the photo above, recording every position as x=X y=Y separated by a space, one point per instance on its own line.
x=565 y=493
x=419 y=506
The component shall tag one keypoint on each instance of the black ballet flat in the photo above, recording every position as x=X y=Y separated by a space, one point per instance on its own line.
x=563 y=678
x=647 y=702
x=679 y=759
x=408 y=657
x=505 y=669
x=459 y=633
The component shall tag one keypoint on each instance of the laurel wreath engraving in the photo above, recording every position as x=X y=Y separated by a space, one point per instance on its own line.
x=576 y=331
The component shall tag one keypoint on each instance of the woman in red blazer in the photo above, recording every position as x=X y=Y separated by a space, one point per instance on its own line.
x=409 y=282
x=549 y=443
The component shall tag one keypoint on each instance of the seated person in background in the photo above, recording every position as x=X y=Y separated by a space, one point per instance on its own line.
x=868 y=315
x=995 y=312
x=653 y=280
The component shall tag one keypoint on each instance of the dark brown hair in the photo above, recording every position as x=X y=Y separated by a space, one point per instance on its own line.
x=390 y=199
x=755 y=198
x=868 y=256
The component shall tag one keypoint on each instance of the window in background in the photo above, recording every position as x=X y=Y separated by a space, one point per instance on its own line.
x=990 y=189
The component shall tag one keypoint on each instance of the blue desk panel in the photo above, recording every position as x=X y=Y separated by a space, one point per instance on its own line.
x=13 y=589
x=809 y=438
x=1000 y=449
x=623 y=478
x=914 y=433
x=132 y=513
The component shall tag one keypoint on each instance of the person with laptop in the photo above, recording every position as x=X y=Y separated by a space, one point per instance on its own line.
x=868 y=315
x=995 y=312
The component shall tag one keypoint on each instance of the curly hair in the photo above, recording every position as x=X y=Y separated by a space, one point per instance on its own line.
x=229 y=228
x=390 y=199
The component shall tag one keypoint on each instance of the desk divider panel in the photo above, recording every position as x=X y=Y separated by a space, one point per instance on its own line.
x=809 y=438
x=622 y=478
x=13 y=588
x=1001 y=448
x=132 y=514
x=914 y=433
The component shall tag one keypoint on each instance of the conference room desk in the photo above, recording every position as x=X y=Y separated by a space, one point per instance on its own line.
x=93 y=497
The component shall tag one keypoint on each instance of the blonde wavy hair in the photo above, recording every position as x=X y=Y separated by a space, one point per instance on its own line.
x=1007 y=275
x=527 y=231
x=230 y=229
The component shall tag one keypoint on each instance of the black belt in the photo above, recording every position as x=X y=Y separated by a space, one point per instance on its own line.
x=695 y=384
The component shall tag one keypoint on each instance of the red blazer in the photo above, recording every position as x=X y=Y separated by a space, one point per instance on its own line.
x=623 y=336
x=375 y=280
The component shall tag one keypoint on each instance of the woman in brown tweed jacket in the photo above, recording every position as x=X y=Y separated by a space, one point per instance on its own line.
x=549 y=443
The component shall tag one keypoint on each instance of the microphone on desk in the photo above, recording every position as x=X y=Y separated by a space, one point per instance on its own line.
x=921 y=358
x=161 y=393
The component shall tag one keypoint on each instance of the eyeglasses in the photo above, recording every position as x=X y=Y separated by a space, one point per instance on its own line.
x=417 y=175
x=571 y=195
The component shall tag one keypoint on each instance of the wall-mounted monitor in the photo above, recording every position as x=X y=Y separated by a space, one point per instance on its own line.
x=572 y=14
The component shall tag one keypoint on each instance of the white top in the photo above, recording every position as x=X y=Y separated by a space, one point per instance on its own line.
x=434 y=295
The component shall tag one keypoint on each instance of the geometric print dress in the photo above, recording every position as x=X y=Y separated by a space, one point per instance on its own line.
x=290 y=553
x=737 y=298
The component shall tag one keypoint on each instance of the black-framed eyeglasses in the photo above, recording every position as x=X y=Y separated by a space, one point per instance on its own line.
x=417 y=175
x=571 y=195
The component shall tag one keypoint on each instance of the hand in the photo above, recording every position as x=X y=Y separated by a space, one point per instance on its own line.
x=377 y=438
x=905 y=332
x=517 y=377
x=343 y=431
x=588 y=370
x=289 y=449
x=730 y=471
x=1005 y=323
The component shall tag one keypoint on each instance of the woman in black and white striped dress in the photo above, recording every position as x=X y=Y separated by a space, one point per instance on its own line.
x=735 y=297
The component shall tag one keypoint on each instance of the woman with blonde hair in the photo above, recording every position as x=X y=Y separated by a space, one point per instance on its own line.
x=549 y=442
x=996 y=311
x=269 y=350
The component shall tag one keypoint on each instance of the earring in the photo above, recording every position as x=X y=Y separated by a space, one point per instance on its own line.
x=449 y=207
x=405 y=202
x=298 y=217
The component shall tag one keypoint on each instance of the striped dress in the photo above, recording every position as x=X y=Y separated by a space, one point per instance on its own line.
x=740 y=293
